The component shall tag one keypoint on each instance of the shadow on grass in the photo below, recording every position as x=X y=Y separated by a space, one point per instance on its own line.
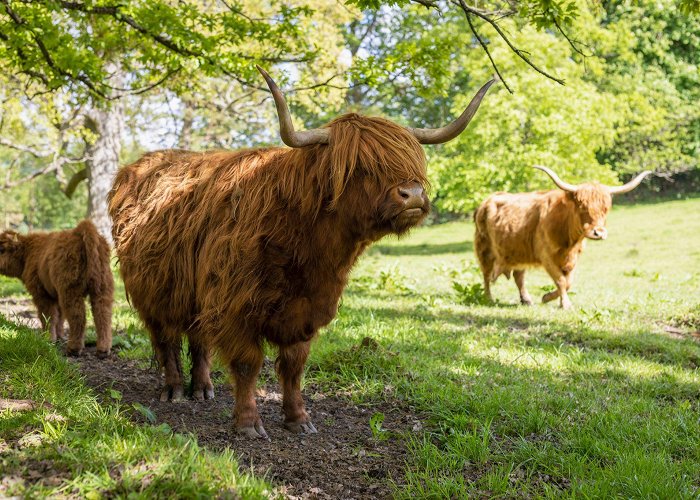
x=423 y=249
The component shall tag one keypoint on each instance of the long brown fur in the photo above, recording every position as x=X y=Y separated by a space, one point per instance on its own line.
x=59 y=269
x=237 y=248
x=515 y=232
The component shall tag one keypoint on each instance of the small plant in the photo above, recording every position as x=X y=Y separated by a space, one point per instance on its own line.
x=469 y=294
x=375 y=425
x=147 y=413
x=392 y=279
x=634 y=273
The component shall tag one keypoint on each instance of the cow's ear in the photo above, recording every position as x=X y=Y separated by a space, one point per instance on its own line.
x=9 y=242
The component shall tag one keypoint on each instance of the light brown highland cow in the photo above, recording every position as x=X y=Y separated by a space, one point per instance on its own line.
x=59 y=269
x=519 y=231
x=235 y=249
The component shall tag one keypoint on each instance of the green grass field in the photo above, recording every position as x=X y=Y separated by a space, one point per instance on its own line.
x=599 y=401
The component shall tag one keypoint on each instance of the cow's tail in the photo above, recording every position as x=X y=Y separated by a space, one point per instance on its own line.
x=100 y=283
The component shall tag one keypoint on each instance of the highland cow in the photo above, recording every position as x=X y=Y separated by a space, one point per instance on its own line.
x=59 y=269
x=234 y=249
x=515 y=232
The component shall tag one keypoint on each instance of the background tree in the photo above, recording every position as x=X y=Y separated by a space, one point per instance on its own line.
x=98 y=53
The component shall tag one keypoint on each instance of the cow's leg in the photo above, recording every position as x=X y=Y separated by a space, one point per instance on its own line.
x=519 y=277
x=245 y=368
x=102 y=314
x=72 y=305
x=290 y=367
x=167 y=346
x=562 y=282
x=486 y=265
x=202 y=388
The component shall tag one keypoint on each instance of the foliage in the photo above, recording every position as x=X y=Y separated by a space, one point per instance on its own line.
x=652 y=53
x=77 y=44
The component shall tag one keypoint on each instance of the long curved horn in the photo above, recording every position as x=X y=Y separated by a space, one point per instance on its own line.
x=560 y=183
x=630 y=185
x=449 y=132
x=289 y=136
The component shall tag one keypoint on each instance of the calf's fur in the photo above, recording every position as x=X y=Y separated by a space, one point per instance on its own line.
x=59 y=269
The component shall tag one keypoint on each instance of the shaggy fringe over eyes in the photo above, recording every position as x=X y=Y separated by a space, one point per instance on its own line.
x=385 y=150
x=594 y=197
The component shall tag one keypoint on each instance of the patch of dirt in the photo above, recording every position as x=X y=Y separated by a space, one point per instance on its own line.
x=681 y=333
x=20 y=311
x=343 y=460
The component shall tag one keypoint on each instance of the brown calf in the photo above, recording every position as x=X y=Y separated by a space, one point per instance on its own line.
x=59 y=269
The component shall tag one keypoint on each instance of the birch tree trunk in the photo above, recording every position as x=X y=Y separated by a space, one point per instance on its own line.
x=103 y=161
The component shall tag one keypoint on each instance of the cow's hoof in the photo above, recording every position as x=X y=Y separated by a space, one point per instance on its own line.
x=255 y=431
x=566 y=306
x=172 y=393
x=526 y=301
x=74 y=353
x=102 y=354
x=301 y=427
x=204 y=393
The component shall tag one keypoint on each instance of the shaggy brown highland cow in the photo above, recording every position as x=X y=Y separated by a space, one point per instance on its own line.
x=59 y=269
x=518 y=231
x=237 y=248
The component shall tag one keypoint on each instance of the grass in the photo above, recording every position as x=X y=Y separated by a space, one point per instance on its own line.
x=598 y=401
x=82 y=448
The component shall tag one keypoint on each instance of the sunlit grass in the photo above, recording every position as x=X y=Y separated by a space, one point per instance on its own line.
x=599 y=401
x=81 y=448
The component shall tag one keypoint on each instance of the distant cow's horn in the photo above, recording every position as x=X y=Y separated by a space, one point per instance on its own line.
x=630 y=185
x=449 y=132
x=289 y=136
x=560 y=183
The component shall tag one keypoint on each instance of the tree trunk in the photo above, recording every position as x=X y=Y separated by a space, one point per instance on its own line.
x=103 y=161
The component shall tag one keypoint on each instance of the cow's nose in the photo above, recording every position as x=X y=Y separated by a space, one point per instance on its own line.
x=600 y=232
x=411 y=196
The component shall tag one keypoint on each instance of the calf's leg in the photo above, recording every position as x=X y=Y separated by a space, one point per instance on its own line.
x=290 y=368
x=57 y=322
x=72 y=304
x=102 y=314
x=519 y=277
x=47 y=309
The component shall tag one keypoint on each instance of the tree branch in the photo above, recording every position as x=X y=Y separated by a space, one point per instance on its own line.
x=520 y=53
x=24 y=149
x=486 y=49
x=74 y=181
x=570 y=40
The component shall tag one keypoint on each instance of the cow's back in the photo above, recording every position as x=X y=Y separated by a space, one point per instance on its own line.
x=157 y=207
x=509 y=222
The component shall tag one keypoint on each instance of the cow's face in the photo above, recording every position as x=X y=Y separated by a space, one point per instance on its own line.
x=373 y=210
x=593 y=202
x=11 y=254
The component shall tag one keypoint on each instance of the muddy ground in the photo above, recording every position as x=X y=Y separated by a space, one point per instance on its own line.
x=344 y=460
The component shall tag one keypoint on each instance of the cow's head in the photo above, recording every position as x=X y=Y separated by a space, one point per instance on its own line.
x=11 y=254
x=374 y=169
x=593 y=201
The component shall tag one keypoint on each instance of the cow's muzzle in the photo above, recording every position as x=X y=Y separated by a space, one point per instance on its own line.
x=597 y=233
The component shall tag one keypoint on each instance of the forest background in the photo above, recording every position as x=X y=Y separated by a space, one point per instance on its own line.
x=595 y=90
